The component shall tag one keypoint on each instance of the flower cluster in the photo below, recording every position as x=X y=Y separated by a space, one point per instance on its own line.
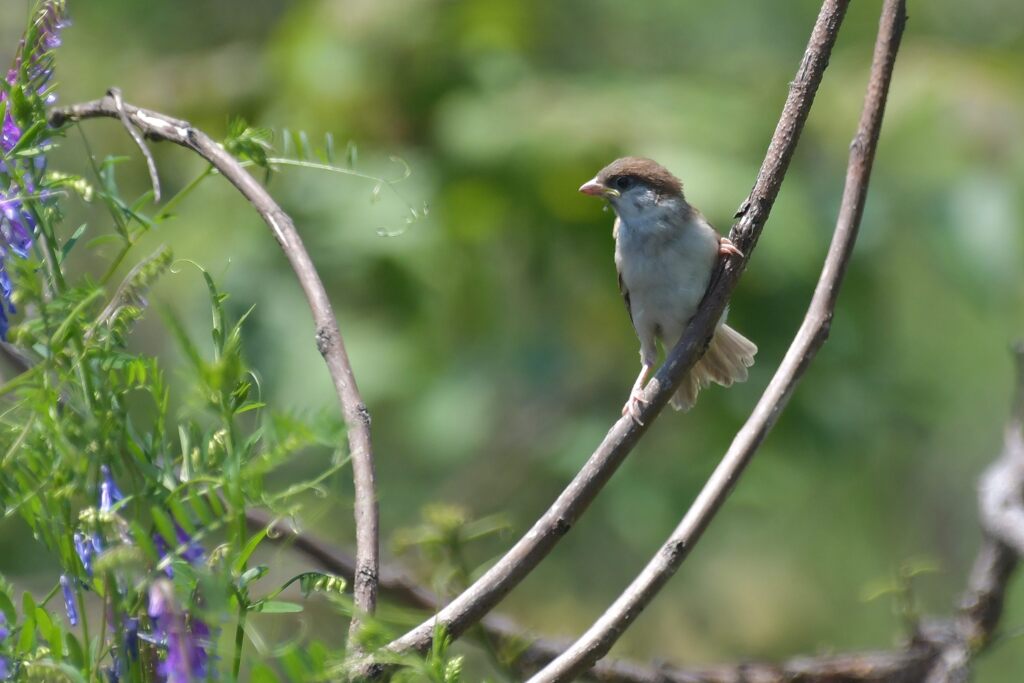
x=187 y=638
x=182 y=636
x=5 y=664
x=19 y=176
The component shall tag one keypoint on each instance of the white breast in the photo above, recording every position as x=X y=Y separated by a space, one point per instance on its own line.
x=666 y=264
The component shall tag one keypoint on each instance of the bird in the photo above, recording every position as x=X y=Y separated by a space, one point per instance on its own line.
x=665 y=253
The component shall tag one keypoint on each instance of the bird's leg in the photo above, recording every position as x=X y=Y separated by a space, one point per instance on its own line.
x=726 y=247
x=636 y=395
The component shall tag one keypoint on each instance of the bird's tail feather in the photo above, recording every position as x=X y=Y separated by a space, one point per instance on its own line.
x=726 y=361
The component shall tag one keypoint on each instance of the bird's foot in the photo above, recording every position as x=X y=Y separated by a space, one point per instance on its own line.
x=726 y=248
x=634 y=405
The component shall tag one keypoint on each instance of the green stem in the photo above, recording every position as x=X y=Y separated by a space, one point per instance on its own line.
x=501 y=667
x=87 y=660
x=116 y=262
x=165 y=212
x=49 y=245
x=239 y=638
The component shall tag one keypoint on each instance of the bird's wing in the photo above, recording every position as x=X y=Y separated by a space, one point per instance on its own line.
x=622 y=285
x=625 y=295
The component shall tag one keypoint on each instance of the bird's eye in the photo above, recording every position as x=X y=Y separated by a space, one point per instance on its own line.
x=623 y=182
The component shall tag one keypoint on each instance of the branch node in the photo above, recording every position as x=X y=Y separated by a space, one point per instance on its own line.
x=363 y=414
x=324 y=340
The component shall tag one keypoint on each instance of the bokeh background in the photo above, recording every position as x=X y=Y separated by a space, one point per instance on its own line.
x=489 y=339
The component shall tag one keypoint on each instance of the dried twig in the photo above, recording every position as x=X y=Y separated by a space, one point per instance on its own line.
x=469 y=607
x=328 y=337
x=812 y=334
x=154 y=177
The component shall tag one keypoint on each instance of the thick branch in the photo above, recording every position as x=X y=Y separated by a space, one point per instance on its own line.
x=328 y=337
x=469 y=607
x=596 y=642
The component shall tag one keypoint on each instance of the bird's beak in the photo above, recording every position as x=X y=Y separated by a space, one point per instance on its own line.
x=597 y=189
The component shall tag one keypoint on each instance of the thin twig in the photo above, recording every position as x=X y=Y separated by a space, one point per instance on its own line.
x=476 y=601
x=813 y=332
x=328 y=337
x=154 y=177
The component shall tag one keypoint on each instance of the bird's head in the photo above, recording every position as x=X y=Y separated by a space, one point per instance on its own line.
x=633 y=185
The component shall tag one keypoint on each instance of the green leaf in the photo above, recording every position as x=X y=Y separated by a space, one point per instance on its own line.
x=27 y=640
x=74 y=650
x=143 y=541
x=7 y=607
x=28 y=137
x=201 y=509
x=181 y=516
x=165 y=526
x=217 y=306
x=44 y=623
x=249 y=549
x=71 y=672
x=251 y=575
x=277 y=607
x=261 y=673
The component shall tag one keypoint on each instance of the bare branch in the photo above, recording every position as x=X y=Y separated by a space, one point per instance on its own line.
x=812 y=334
x=328 y=337
x=469 y=607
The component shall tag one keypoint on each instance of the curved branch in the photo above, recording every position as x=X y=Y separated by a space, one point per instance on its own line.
x=476 y=601
x=812 y=334
x=328 y=337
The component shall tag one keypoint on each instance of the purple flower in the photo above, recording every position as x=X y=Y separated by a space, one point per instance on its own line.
x=16 y=226
x=69 y=599
x=131 y=637
x=37 y=56
x=109 y=493
x=33 y=67
x=87 y=547
x=5 y=664
x=192 y=552
x=9 y=133
x=185 y=636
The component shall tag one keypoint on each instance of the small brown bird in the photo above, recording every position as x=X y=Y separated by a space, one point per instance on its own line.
x=665 y=252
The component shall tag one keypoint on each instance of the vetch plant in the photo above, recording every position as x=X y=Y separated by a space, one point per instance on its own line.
x=27 y=88
x=144 y=510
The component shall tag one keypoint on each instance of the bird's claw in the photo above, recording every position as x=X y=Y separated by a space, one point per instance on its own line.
x=633 y=406
x=726 y=248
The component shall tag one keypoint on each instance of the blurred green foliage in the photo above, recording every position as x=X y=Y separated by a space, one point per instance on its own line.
x=489 y=339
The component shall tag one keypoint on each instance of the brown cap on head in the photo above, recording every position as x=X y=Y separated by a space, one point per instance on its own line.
x=647 y=171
